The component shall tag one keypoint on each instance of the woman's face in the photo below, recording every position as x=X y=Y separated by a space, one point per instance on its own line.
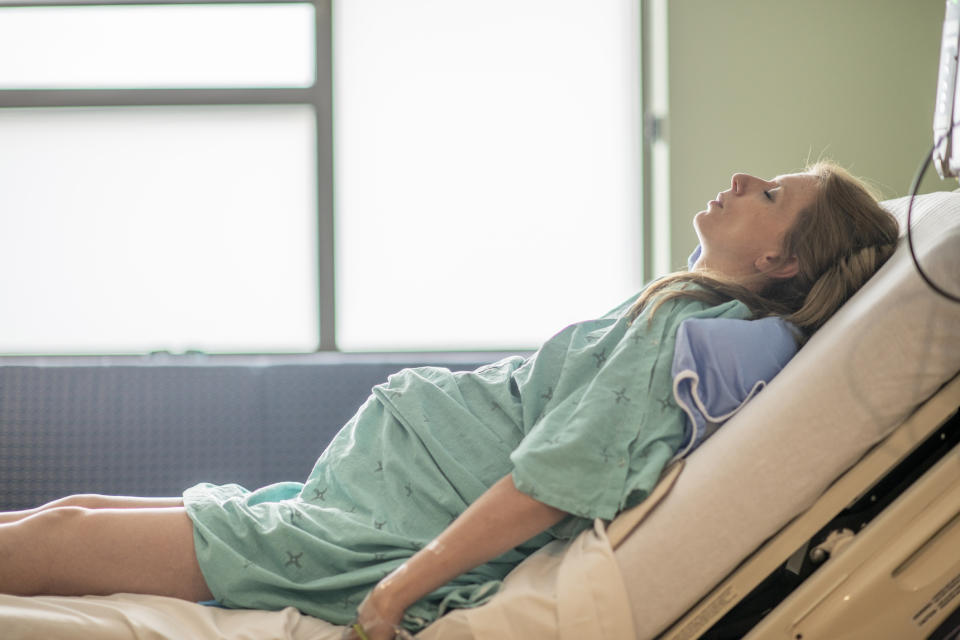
x=741 y=232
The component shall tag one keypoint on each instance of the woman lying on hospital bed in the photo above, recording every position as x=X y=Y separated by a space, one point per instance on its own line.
x=443 y=482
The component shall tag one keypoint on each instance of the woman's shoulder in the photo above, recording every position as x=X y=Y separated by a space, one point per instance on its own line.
x=681 y=296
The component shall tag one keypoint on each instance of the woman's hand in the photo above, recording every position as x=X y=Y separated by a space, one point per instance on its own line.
x=500 y=519
x=376 y=618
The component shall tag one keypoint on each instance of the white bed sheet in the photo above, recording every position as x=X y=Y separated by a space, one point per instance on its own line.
x=890 y=348
x=139 y=617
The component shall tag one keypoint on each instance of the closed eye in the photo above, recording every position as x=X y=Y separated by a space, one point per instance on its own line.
x=769 y=197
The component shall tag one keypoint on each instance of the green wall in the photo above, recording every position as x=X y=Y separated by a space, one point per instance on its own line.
x=761 y=86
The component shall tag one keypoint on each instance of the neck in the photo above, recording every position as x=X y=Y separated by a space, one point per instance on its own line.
x=749 y=279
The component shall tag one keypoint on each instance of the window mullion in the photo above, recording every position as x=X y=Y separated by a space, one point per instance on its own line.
x=110 y=3
x=24 y=98
x=323 y=108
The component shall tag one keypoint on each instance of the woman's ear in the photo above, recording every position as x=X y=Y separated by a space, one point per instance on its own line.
x=777 y=267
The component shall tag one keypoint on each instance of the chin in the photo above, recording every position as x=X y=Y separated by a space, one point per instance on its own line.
x=698 y=220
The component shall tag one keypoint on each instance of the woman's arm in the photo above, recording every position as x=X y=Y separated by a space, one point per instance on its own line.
x=498 y=521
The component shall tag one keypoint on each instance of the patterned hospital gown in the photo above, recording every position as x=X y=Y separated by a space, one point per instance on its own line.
x=586 y=425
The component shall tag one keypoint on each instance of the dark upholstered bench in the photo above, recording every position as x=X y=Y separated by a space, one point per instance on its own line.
x=154 y=425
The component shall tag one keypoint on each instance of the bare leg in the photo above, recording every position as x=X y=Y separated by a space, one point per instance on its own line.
x=92 y=501
x=71 y=550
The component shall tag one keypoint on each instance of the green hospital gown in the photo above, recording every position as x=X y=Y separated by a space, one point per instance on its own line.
x=586 y=425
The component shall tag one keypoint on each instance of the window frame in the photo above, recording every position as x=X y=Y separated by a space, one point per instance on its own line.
x=319 y=96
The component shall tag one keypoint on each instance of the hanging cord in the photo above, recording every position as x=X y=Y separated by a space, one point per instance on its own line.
x=917 y=179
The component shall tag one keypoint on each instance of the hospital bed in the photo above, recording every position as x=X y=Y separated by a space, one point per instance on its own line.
x=829 y=507
x=853 y=500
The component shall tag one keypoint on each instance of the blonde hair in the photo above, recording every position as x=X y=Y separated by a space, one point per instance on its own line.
x=839 y=242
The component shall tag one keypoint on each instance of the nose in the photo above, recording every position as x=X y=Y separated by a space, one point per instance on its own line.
x=741 y=182
x=738 y=184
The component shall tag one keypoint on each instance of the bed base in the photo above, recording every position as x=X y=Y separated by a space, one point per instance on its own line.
x=870 y=559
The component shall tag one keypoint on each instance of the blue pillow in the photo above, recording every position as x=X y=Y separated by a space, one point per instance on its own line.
x=720 y=363
x=691 y=260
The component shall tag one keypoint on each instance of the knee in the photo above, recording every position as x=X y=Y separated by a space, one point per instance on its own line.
x=51 y=521
x=31 y=548
x=53 y=526
x=83 y=500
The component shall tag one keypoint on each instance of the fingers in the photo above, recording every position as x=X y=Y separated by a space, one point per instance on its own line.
x=359 y=632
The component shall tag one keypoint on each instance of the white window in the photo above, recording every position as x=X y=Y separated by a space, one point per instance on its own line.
x=159 y=168
x=487 y=169
x=172 y=46
x=132 y=229
x=167 y=182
